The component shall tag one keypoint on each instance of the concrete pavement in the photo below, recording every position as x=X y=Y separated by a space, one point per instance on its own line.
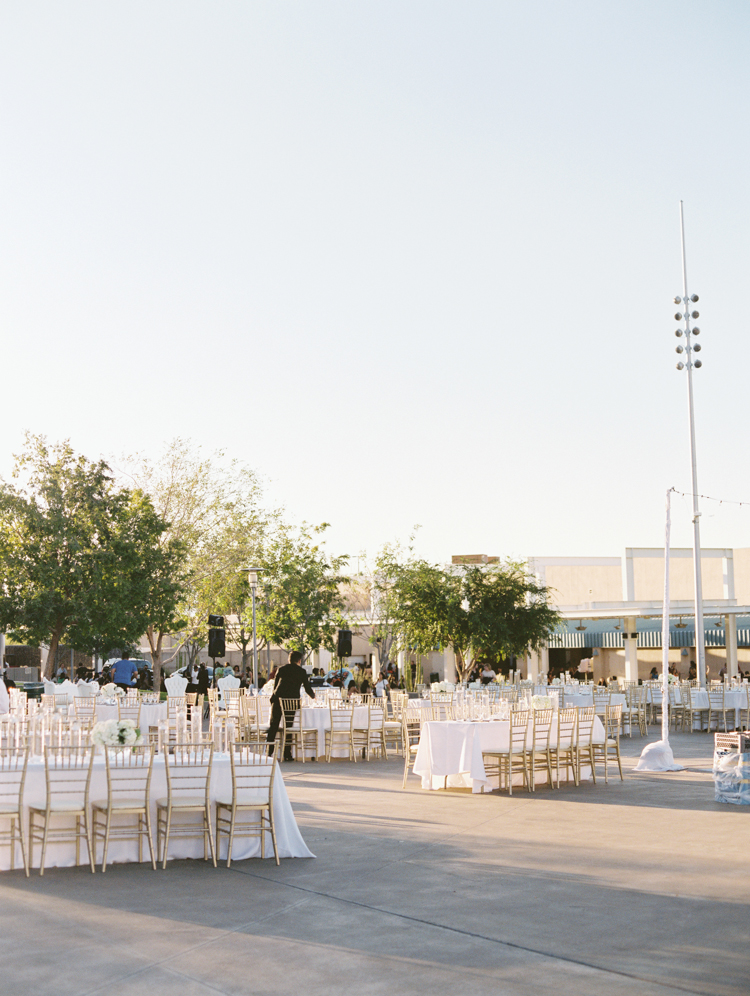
x=637 y=887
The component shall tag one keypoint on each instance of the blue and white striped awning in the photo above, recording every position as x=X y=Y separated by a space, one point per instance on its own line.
x=601 y=633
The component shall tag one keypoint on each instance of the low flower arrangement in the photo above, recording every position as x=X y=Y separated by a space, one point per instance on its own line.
x=116 y=733
x=443 y=686
x=111 y=690
x=541 y=702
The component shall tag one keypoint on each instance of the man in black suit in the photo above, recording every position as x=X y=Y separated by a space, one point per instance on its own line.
x=289 y=679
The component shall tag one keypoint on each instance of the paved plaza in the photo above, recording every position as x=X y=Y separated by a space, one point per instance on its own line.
x=632 y=888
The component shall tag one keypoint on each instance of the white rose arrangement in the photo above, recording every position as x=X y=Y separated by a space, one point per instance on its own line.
x=116 y=733
x=541 y=702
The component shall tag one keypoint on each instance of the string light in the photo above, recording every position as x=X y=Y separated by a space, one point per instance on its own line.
x=721 y=501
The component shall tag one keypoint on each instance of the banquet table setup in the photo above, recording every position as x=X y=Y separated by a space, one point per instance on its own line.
x=451 y=754
x=107 y=781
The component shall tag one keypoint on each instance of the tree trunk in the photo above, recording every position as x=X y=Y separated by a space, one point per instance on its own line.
x=154 y=642
x=54 y=643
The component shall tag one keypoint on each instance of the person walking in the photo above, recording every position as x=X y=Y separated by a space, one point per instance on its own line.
x=289 y=680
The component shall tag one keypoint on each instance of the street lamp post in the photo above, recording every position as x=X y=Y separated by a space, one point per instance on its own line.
x=688 y=350
x=252 y=576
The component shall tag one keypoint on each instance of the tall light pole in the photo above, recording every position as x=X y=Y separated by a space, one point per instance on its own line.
x=689 y=349
x=252 y=577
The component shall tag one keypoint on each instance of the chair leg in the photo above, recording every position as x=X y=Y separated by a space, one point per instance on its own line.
x=207 y=822
x=232 y=821
x=44 y=843
x=89 y=841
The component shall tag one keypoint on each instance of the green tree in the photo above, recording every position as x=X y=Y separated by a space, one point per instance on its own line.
x=492 y=612
x=81 y=557
x=216 y=515
x=304 y=588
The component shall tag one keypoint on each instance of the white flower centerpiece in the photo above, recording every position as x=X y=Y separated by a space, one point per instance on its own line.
x=111 y=691
x=541 y=702
x=443 y=686
x=116 y=733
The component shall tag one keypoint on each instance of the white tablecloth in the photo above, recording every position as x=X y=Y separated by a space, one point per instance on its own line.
x=150 y=714
x=62 y=854
x=734 y=698
x=320 y=720
x=453 y=751
x=587 y=699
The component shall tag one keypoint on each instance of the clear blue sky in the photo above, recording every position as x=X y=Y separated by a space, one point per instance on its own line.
x=413 y=262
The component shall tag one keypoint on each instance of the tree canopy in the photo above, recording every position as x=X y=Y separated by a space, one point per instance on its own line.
x=82 y=558
x=489 y=612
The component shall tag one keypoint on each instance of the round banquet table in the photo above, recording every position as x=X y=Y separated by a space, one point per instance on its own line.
x=150 y=714
x=450 y=753
x=319 y=718
x=62 y=854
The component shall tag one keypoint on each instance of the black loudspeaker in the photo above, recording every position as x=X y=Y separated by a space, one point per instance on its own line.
x=344 y=645
x=216 y=622
x=216 y=646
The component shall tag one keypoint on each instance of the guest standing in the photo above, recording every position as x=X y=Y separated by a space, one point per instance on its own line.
x=289 y=680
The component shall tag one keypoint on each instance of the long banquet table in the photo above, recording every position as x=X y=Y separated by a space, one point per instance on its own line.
x=450 y=753
x=62 y=853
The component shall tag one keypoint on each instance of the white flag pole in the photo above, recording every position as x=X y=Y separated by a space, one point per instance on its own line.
x=665 y=631
x=658 y=756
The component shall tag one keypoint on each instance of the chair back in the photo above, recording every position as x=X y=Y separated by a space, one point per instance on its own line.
x=542 y=726
x=232 y=700
x=342 y=715
x=85 y=708
x=253 y=772
x=13 y=764
x=129 y=708
x=567 y=723
x=175 y=704
x=716 y=697
x=586 y=717
x=290 y=705
x=86 y=690
x=175 y=684
x=441 y=709
x=229 y=681
x=129 y=772
x=376 y=714
x=263 y=709
x=411 y=721
x=188 y=768
x=613 y=722
x=68 y=775
x=519 y=725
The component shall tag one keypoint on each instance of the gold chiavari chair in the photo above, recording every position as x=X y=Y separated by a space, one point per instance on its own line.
x=610 y=749
x=340 y=733
x=697 y=709
x=129 y=707
x=253 y=772
x=375 y=742
x=515 y=759
x=539 y=752
x=12 y=780
x=411 y=724
x=68 y=779
x=232 y=702
x=562 y=751
x=718 y=709
x=584 y=743
x=129 y=772
x=263 y=712
x=295 y=736
x=188 y=770
x=745 y=707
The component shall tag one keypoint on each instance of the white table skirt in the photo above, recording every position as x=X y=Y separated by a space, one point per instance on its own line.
x=453 y=751
x=320 y=720
x=150 y=714
x=734 y=698
x=62 y=854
